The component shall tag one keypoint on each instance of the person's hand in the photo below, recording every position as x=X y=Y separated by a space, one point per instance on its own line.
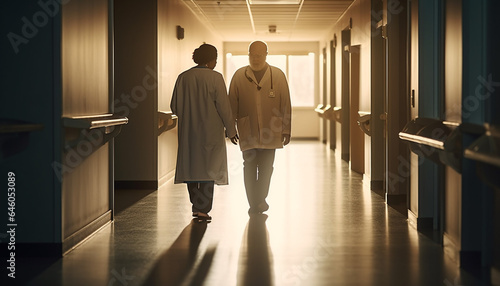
x=234 y=139
x=285 y=138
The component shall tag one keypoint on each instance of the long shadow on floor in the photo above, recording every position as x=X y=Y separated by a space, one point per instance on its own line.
x=255 y=265
x=125 y=198
x=176 y=266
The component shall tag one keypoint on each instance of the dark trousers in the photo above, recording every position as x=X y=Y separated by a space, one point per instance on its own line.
x=257 y=171
x=201 y=195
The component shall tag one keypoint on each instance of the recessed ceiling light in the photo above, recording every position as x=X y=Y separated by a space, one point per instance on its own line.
x=275 y=2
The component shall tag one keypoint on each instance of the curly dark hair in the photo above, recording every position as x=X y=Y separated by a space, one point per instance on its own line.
x=204 y=54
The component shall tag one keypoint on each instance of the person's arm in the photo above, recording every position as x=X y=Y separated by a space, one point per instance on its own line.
x=224 y=109
x=286 y=109
x=233 y=96
x=173 y=101
x=233 y=99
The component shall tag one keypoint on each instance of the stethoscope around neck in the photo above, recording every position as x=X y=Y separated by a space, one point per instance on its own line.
x=252 y=81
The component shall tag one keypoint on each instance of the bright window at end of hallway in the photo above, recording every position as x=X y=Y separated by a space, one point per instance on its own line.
x=301 y=79
x=299 y=70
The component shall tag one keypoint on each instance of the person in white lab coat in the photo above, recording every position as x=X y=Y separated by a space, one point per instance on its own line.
x=204 y=115
x=260 y=101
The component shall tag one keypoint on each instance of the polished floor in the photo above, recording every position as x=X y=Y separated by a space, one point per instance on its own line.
x=324 y=227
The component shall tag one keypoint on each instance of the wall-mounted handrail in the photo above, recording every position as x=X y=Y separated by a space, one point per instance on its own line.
x=9 y=126
x=14 y=135
x=166 y=121
x=320 y=109
x=105 y=127
x=422 y=140
x=426 y=131
x=486 y=149
x=94 y=121
x=328 y=112
x=337 y=114
x=324 y=111
x=440 y=141
x=364 y=121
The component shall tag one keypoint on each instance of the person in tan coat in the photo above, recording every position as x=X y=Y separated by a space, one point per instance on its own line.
x=202 y=105
x=260 y=101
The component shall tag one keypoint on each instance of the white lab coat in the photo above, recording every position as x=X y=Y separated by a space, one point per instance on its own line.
x=262 y=114
x=204 y=114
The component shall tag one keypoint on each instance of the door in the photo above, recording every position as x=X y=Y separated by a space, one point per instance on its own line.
x=346 y=107
x=333 y=102
x=324 y=132
x=357 y=137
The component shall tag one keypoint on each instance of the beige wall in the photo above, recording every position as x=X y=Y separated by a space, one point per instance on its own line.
x=85 y=58
x=359 y=11
x=85 y=190
x=453 y=106
x=175 y=56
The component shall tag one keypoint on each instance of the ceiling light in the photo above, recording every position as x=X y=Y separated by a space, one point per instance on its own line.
x=275 y=2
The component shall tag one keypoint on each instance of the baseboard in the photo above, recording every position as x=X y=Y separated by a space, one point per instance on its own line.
x=58 y=249
x=419 y=223
x=84 y=233
x=137 y=185
x=163 y=180
x=337 y=152
x=395 y=199
x=470 y=260
x=495 y=276
x=24 y=249
x=376 y=185
x=378 y=188
x=451 y=249
x=306 y=138
x=366 y=181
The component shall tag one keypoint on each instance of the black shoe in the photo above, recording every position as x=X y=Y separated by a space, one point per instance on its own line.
x=262 y=207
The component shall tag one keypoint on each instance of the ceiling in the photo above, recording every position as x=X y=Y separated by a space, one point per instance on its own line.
x=243 y=20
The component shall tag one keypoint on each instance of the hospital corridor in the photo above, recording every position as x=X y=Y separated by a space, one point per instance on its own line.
x=323 y=227
x=374 y=123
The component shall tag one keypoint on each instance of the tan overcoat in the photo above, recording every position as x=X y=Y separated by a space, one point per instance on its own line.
x=202 y=105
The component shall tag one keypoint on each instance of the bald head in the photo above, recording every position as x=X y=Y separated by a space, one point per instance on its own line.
x=257 y=52
x=257 y=46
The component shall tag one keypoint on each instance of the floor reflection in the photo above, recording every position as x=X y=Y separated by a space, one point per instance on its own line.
x=324 y=228
x=255 y=265
x=177 y=266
